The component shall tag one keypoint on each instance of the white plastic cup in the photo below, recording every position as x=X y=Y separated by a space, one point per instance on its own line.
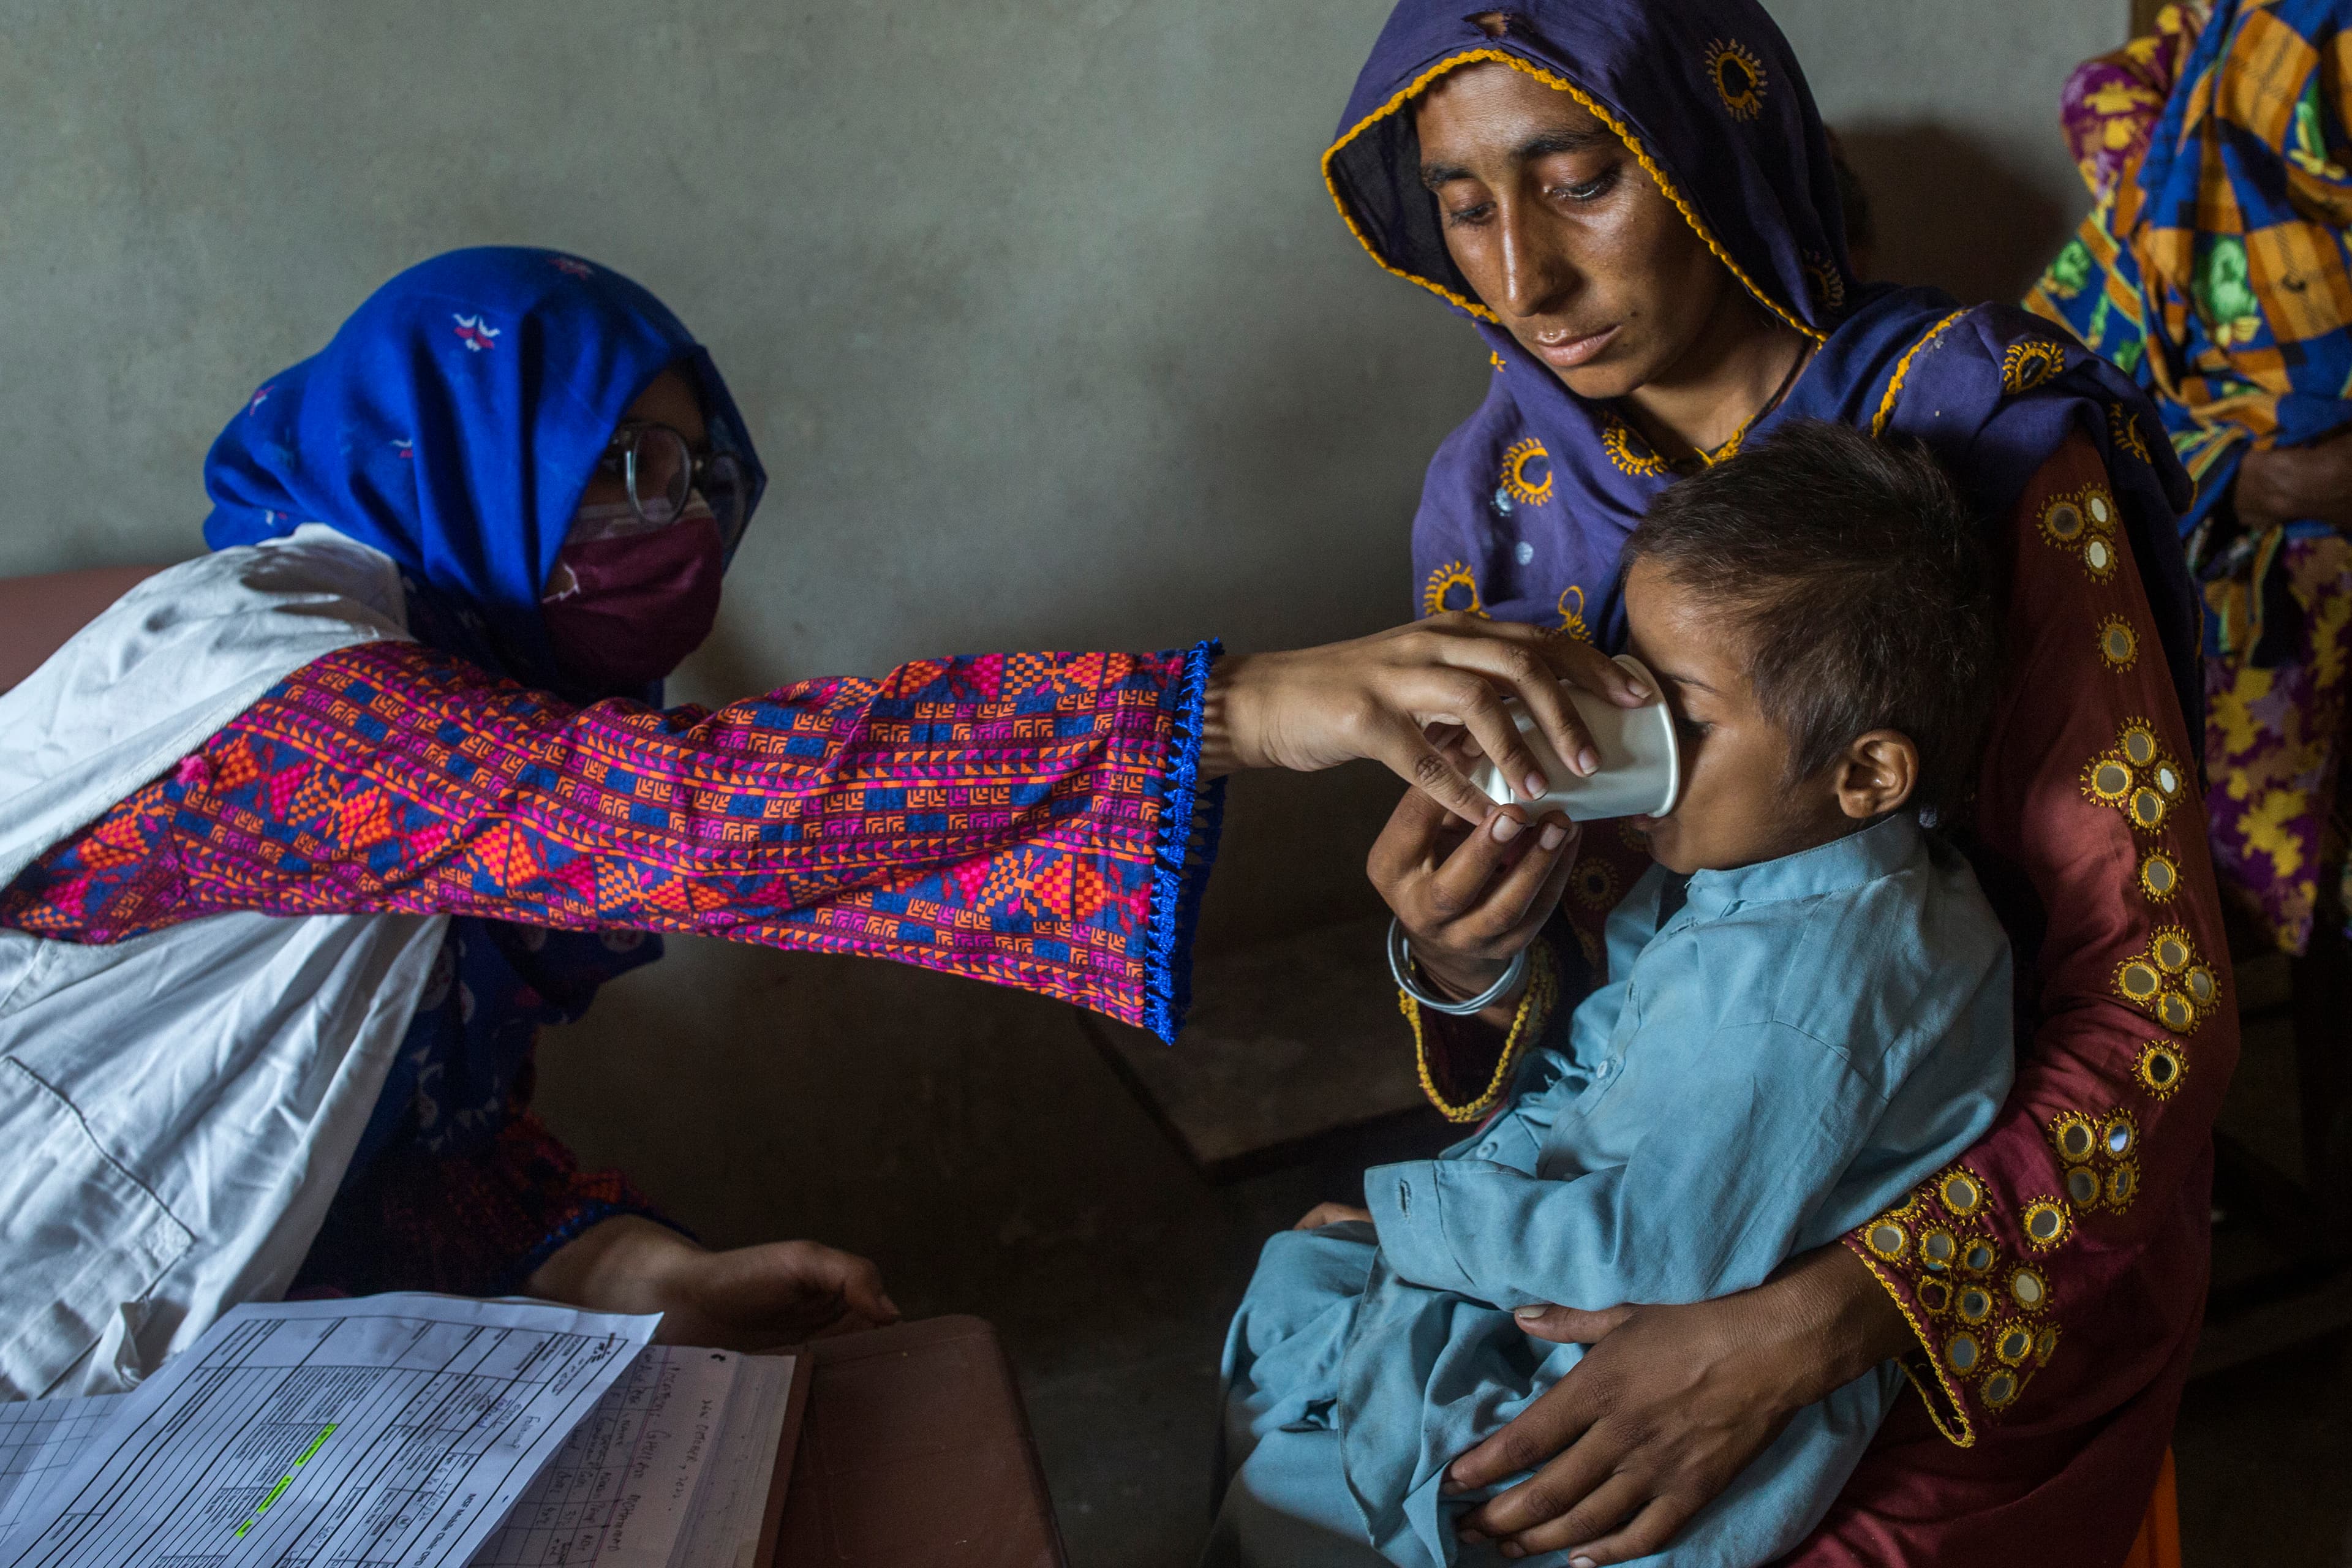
x=1641 y=770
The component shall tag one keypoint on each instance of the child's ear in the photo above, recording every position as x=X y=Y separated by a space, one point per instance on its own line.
x=1877 y=774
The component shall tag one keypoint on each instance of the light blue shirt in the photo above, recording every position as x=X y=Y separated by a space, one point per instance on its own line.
x=1777 y=1060
x=1800 y=1042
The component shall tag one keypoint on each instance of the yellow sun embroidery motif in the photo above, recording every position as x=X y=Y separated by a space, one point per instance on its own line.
x=2026 y=365
x=1826 y=282
x=1516 y=481
x=1617 y=440
x=1571 y=615
x=1739 y=78
x=2125 y=427
x=2045 y=1224
x=2170 y=980
x=1595 y=884
x=1450 y=587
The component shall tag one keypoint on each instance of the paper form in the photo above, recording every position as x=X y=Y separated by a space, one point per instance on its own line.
x=725 y=1530
x=39 y=1438
x=620 y=1490
x=387 y=1432
x=671 y=1469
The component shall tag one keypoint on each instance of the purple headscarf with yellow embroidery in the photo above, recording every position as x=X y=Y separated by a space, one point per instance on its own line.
x=1528 y=504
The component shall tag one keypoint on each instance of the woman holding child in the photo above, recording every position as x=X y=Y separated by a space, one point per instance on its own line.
x=1635 y=202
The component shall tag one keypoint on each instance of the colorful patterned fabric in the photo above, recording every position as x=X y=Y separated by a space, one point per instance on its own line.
x=2275 y=745
x=2110 y=104
x=1032 y=819
x=2213 y=266
x=494 y=985
x=2021 y=1450
x=1528 y=504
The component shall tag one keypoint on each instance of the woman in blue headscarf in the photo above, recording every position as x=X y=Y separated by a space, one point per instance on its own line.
x=1633 y=204
x=303 y=841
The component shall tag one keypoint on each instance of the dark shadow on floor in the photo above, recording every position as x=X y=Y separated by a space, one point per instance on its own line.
x=977 y=1146
x=2264 y=1453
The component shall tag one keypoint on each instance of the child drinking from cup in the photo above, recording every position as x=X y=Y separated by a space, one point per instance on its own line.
x=1806 y=1014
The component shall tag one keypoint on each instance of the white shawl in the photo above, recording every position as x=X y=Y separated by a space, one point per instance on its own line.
x=179 y=1108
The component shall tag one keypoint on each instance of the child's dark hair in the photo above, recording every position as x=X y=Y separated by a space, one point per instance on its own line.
x=1859 y=577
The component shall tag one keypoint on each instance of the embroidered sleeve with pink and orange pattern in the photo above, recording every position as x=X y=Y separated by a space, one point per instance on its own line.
x=1033 y=819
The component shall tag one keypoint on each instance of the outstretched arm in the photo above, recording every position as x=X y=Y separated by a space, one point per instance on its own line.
x=1040 y=820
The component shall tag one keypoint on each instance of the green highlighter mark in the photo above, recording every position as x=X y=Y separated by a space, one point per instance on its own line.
x=287 y=1479
x=316 y=1443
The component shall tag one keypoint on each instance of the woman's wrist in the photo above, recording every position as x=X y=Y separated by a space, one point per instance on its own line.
x=625 y=1264
x=1226 y=687
x=1460 y=980
x=1829 y=1320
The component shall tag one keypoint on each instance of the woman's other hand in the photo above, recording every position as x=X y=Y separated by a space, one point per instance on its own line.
x=1378 y=697
x=1322 y=1215
x=1470 y=898
x=752 y=1298
x=1669 y=1404
x=2297 y=484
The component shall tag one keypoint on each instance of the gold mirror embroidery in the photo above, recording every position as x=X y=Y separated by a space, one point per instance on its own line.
x=2026 y=1287
x=2045 y=1224
x=2159 y=1067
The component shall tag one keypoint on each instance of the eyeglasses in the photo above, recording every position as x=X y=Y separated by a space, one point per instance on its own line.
x=660 y=470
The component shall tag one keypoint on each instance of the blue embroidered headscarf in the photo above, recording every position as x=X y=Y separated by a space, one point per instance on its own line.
x=1528 y=504
x=452 y=423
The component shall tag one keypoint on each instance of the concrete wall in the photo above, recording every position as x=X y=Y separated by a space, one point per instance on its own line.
x=1949 y=111
x=1045 y=326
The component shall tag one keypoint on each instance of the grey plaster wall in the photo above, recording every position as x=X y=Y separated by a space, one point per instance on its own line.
x=1039 y=309
x=1949 y=111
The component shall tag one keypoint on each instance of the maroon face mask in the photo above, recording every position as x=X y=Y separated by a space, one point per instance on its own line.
x=622 y=610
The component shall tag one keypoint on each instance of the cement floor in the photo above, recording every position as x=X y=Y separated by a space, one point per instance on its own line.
x=979 y=1148
x=2264 y=1453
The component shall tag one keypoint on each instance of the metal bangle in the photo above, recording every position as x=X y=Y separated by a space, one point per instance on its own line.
x=1401 y=966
